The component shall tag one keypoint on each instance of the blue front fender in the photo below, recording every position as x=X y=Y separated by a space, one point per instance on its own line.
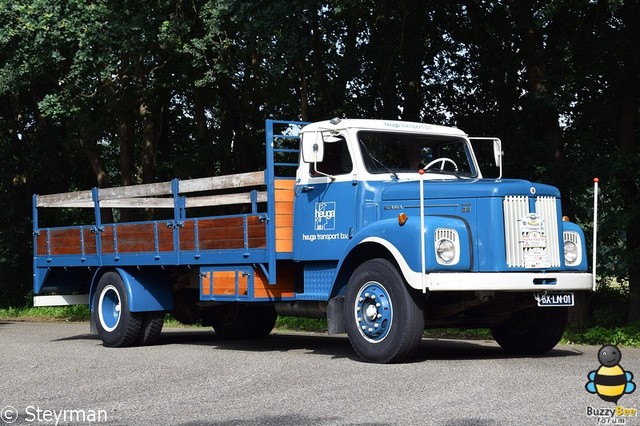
x=403 y=242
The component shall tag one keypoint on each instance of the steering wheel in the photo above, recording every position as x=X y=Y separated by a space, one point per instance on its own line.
x=442 y=160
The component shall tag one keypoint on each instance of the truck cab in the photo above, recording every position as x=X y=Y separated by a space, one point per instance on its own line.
x=378 y=201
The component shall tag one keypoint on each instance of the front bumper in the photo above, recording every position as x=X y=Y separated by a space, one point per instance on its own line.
x=507 y=281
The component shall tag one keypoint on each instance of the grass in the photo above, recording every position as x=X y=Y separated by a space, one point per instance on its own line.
x=628 y=336
x=50 y=313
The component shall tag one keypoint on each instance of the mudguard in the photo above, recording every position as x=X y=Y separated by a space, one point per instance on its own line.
x=147 y=289
x=403 y=242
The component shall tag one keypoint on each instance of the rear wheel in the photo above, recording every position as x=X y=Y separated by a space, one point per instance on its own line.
x=384 y=320
x=151 y=328
x=531 y=331
x=116 y=326
x=243 y=321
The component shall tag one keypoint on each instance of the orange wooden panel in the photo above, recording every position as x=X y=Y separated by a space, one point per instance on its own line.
x=284 y=215
x=284 y=207
x=284 y=246
x=284 y=239
x=283 y=220
x=284 y=286
x=284 y=233
x=282 y=195
x=284 y=184
x=243 y=284
x=224 y=283
x=206 y=284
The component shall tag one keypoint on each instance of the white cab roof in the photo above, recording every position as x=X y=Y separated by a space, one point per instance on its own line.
x=385 y=125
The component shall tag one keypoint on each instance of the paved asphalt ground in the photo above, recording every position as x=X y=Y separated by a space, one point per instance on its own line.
x=193 y=378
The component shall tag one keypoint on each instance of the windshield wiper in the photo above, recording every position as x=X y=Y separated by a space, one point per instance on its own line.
x=393 y=174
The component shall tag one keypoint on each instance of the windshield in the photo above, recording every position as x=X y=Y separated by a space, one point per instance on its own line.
x=385 y=152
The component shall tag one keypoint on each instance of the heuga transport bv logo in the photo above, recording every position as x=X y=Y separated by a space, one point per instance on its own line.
x=610 y=382
x=325 y=216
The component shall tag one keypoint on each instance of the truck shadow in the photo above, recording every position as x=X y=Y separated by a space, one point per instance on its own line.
x=337 y=346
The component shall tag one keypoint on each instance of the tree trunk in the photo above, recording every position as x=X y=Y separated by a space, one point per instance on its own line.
x=90 y=149
x=200 y=117
x=388 y=38
x=149 y=144
x=304 y=90
x=125 y=124
x=410 y=76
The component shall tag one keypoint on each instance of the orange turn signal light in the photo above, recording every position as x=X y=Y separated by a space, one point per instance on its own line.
x=402 y=218
x=566 y=219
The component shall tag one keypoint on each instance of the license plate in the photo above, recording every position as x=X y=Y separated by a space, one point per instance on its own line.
x=554 y=299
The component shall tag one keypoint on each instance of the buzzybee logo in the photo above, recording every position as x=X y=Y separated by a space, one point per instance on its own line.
x=610 y=381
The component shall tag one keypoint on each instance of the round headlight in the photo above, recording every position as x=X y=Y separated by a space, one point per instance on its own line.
x=446 y=250
x=570 y=252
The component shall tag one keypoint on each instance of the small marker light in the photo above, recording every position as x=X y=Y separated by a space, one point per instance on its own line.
x=566 y=219
x=402 y=218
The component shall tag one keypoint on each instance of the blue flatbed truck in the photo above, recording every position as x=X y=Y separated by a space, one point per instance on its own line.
x=381 y=227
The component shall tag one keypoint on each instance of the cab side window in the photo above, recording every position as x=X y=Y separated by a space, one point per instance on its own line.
x=336 y=161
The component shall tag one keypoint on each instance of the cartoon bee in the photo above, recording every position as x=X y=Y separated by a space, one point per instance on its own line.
x=610 y=381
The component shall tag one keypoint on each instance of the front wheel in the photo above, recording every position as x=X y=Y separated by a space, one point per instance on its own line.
x=116 y=325
x=532 y=331
x=384 y=320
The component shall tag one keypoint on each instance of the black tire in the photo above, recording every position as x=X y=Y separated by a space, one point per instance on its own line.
x=378 y=299
x=533 y=331
x=243 y=321
x=116 y=326
x=263 y=320
x=151 y=328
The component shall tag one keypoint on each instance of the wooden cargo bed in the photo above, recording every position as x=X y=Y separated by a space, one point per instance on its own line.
x=244 y=233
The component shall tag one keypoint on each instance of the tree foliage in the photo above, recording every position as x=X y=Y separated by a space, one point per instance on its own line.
x=121 y=92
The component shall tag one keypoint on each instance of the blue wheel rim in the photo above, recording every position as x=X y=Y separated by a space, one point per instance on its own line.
x=373 y=312
x=109 y=308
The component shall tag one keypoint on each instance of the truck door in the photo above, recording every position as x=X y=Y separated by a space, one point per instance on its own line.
x=325 y=211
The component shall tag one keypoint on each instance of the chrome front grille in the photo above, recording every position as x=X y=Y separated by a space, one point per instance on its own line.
x=531 y=237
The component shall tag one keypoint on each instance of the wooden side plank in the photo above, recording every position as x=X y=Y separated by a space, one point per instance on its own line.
x=165 y=203
x=66 y=241
x=134 y=195
x=223 y=200
x=239 y=180
x=223 y=233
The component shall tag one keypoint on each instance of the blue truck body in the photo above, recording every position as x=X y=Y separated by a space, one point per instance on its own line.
x=340 y=225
